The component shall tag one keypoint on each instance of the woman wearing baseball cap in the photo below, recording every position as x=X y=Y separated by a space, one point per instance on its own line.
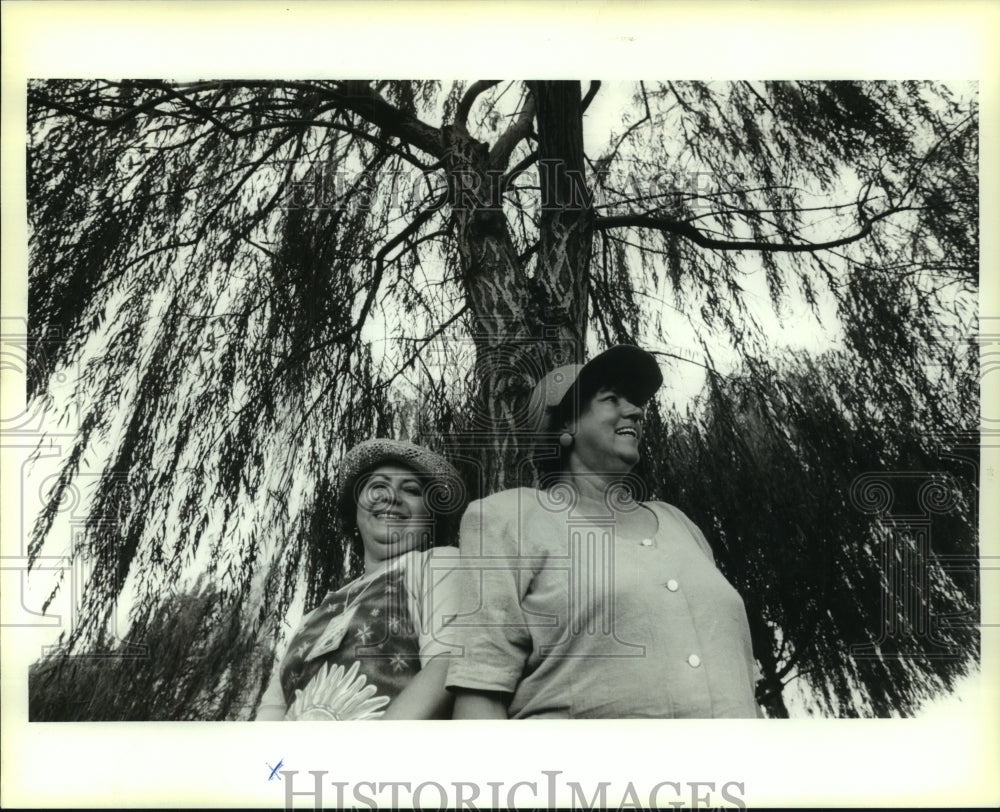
x=371 y=649
x=578 y=600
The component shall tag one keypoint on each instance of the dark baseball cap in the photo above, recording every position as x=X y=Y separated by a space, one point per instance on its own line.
x=629 y=368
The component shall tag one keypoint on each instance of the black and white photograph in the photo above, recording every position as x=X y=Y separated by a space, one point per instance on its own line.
x=653 y=410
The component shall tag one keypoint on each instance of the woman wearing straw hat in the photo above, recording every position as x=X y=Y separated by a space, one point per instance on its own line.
x=579 y=600
x=373 y=648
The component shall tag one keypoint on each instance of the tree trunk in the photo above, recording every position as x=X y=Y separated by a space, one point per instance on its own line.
x=524 y=324
x=566 y=225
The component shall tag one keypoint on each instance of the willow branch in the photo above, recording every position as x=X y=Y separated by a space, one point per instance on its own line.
x=424 y=342
x=379 y=272
x=686 y=230
x=465 y=105
x=521 y=166
x=337 y=127
x=647 y=116
x=517 y=131
x=591 y=92
x=360 y=99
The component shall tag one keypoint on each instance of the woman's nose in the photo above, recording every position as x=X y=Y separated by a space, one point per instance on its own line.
x=629 y=409
x=386 y=494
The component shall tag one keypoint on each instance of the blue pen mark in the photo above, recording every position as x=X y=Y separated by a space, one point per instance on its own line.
x=274 y=770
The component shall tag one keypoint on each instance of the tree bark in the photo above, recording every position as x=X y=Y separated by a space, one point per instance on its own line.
x=524 y=323
x=492 y=274
x=566 y=224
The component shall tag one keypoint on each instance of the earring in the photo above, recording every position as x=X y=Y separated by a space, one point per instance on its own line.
x=565 y=439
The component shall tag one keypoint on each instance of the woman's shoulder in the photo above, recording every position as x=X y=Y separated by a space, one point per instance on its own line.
x=666 y=507
x=436 y=556
x=680 y=516
x=523 y=505
x=506 y=503
x=414 y=559
x=507 y=496
x=421 y=568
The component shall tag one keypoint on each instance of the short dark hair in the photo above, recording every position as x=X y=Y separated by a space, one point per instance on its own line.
x=548 y=456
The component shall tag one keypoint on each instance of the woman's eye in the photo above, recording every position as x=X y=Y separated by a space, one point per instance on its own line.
x=377 y=492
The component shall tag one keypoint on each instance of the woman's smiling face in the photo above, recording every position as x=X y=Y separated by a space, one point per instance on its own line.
x=392 y=515
x=606 y=436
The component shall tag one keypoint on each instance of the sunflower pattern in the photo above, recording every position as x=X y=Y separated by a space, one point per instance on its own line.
x=365 y=630
x=336 y=695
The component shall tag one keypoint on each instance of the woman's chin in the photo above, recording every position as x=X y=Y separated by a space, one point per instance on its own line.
x=628 y=459
x=392 y=545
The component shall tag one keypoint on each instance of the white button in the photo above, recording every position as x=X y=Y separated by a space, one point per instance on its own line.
x=694 y=661
x=646 y=542
x=672 y=585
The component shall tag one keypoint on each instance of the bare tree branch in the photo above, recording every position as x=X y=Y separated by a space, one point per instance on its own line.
x=632 y=128
x=376 y=281
x=517 y=170
x=688 y=231
x=591 y=92
x=465 y=105
x=359 y=98
x=424 y=342
x=520 y=129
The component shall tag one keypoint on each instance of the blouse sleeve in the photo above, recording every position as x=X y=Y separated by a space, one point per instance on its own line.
x=430 y=587
x=491 y=628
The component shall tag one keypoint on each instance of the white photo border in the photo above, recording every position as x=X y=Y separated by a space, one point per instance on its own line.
x=940 y=762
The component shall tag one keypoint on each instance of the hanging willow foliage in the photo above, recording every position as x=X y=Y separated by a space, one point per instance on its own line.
x=252 y=276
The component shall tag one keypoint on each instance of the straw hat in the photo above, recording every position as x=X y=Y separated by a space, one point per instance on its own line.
x=444 y=491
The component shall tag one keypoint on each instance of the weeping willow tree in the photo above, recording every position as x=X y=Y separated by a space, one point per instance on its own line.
x=248 y=277
x=190 y=660
x=859 y=584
